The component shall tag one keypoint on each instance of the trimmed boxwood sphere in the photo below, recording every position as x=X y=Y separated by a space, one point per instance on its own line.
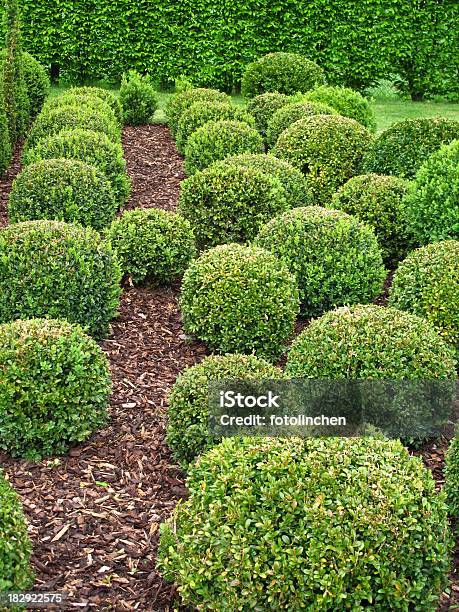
x=240 y=299
x=347 y=102
x=138 y=98
x=55 y=387
x=73 y=98
x=314 y=524
x=327 y=149
x=229 y=203
x=427 y=284
x=153 y=246
x=179 y=103
x=289 y=114
x=58 y=270
x=377 y=200
x=103 y=94
x=188 y=413
x=219 y=139
x=263 y=107
x=335 y=258
x=65 y=190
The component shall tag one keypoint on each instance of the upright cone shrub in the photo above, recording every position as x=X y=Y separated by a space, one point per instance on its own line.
x=289 y=114
x=184 y=99
x=347 y=102
x=264 y=106
x=290 y=524
x=5 y=143
x=452 y=476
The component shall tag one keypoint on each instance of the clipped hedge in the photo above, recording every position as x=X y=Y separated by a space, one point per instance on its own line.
x=179 y=103
x=55 y=387
x=451 y=486
x=289 y=114
x=58 y=270
x=290 y=524
x=107 y=96
x=347 y=102
x=240 y=299
x=138 y=98
x=263 y=107
x=334 y=257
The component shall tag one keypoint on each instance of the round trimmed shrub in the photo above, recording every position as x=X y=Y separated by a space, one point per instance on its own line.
x=286 y=73
x=65 y=190
x=179 y=103
x=431 y=207
x=264 y=106
x=153 y=246
x=314 y=524
x=452 y=476
x=103 y=94
x=377 y=200
x=188 y=413
x=57 y=270
x=55 y=387
x=327 y=149
x=73 y=98
x=219 y=139
x=229 y=203
x=93 y=148
x=240 y=299
x=427 y=284
x=347 y=102
x=289 y=114
x=334 y=257
x=138 y=98
x=15 y=546
x=405 y=146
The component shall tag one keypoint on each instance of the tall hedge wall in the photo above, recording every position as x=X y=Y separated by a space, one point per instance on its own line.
x=356 y=41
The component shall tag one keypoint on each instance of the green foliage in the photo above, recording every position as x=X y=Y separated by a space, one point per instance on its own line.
x=328 y=150
x=427 y=284
x=240 y=299
x=334 y=257
x=82 y=100
x=91 y=147
x=179 y=103
x=377 y=200
x=65 y=190
x=138 y=98
x=103 y=94
x=286 y=73
x=432 y=205
x=15 y=546
x=287 y=115
x=55 y=387
x=5 y=143
x=405 y=146
x=347 y=102
x=452 y=476
x=290 y=524
x=263 y=107
x=58 y=270
x=153 y=246
x=188 y=413
x=219 y=139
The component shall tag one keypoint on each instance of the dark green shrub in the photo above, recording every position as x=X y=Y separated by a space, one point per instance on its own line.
x=290 y=524
x=138 y=98
x=334 y=257
x=452 y=476
x=289 y=114
x=93 y=148
x=328 y=150
x=377 y=200
x=103 y=94
x=229 y=203
x=65 y=190
x=264 y=106
x=5 y=143
x=219 y=139
x=405 y=146
x=240 y=299
x=286 y=73
x=347 y=102
x=58 y=270
x=188 y=413
x=184 y=99
x=73 y=98
x=427 y=284
x=153 y=246
x=432 y=205
x=15 y=546
x=55 y=387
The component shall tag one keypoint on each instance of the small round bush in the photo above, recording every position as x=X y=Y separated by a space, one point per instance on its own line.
x=219 y=139
x=188 y=413
x=264 y=106
x=93 y=148
x=73 y=98
x=240 y=299
x=55 y=387
x=347 y=102
x=65 y=190
x=138 y=98
x=286 y=73
x=58 y=270
x=289 y=114
x=377 y=200
x=179 y=103
x=327 y=149
x=431 y=207
x=427 y=284
x=201 y=113
x=314 y=524
x=229 y=203
x=15 y=546
x=452 y=476
x=334 y=257
x=103 y=94
x=153 y=246
x=404 y=147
